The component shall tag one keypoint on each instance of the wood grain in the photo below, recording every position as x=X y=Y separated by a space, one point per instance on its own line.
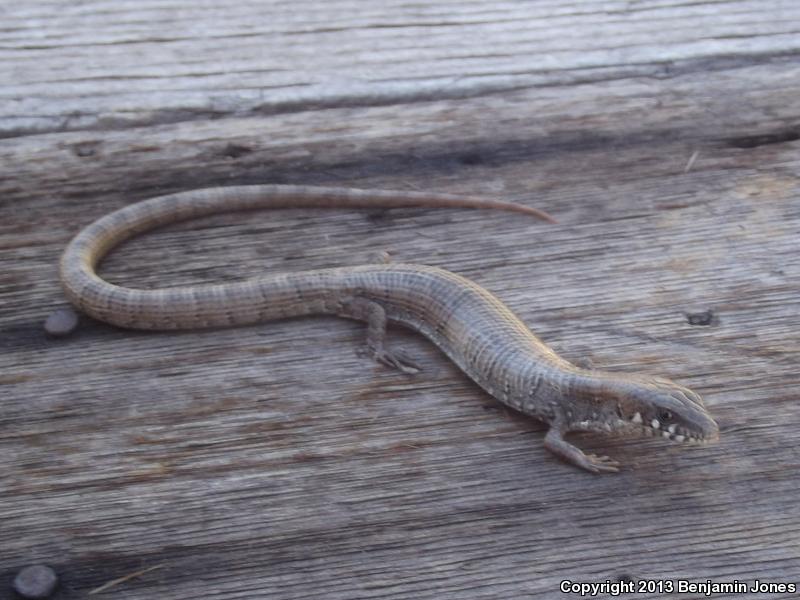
x=273 y=461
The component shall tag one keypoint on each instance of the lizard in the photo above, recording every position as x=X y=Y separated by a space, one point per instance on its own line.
x=469 y=324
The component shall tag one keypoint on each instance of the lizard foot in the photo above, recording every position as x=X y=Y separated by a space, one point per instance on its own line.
x=397 y=359
x=600 y=464
x=555 y=442
x=375 y=316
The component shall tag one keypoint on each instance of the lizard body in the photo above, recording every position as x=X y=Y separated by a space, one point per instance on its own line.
x=469 y=324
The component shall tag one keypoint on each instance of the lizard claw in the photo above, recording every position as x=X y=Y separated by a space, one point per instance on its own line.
x=397 y=359
x=555 y=442
x=601 y=464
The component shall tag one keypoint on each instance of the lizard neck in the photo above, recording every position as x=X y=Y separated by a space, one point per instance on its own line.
x=574 y=398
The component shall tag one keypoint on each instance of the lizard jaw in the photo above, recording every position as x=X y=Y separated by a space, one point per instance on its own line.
x=674 y=432
x=636 y=427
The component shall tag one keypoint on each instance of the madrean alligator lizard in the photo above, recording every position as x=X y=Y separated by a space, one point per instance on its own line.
x=470 y=325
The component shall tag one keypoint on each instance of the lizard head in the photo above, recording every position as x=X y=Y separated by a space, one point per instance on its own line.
x=659 y=407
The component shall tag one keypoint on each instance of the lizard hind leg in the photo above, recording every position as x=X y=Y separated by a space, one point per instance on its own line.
x=555 y=442
x=375 y=316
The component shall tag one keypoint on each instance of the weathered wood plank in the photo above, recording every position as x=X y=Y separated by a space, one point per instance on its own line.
x=109 y=64
x=273 y=460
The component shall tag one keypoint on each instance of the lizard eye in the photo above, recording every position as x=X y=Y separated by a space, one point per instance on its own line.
x=664 y=415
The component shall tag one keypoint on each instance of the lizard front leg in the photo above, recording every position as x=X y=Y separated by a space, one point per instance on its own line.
x=555 y=442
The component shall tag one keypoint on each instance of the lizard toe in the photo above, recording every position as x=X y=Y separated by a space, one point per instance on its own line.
x=397 y=359
x=603 y=464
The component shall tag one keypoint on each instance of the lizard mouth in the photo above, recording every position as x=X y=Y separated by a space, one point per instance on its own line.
x=673 y=432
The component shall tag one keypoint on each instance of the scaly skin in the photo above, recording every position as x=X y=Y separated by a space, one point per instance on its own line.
x=473 y=328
